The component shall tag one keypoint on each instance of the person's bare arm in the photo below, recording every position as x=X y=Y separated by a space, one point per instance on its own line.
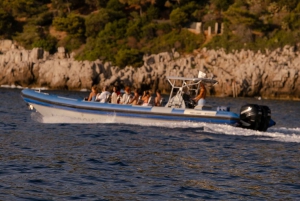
x=90 y=97
x=199 y=95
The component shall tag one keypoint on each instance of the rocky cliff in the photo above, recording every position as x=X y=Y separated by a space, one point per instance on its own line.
x=273 y=74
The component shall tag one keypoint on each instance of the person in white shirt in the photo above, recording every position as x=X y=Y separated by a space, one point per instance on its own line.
x=126 y=96
x=102 y=98
x=114 y=95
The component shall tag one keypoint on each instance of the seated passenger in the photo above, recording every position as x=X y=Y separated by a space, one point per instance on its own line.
x=135 y=98
x=114 y=95
x=145 y=98
x=158 y=98
x=126 y=96
x=102 y=98
x=93 y=94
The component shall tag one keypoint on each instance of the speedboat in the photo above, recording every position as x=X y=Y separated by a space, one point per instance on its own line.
x=178 y=108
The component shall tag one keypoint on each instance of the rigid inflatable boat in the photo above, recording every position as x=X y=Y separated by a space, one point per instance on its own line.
x=178 y=108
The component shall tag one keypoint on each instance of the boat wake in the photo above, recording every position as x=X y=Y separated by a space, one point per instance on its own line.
x=281 y=134
x=274 y=134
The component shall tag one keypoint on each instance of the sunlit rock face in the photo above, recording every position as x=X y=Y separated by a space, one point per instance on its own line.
x=273 y=74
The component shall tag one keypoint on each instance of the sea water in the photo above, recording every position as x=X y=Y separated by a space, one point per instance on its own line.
x=44 y=159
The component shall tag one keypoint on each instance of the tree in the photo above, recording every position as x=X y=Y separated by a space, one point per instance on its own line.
x=22 y=8
x=96 y=4
x=48 y=43
x=222 y=5
x=115 y=5
x=96 y=22
x=241 y=16
x=66 y=5
x=178 y=17
x=6 y=24
x=138 y=4
x=72 y=24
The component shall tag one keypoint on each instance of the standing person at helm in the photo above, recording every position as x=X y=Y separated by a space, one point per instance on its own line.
x=200 y=98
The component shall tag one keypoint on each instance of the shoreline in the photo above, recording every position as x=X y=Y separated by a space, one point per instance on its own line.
x=273 y=75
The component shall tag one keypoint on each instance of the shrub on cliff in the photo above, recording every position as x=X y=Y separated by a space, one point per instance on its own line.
x=23 y=8
x=28 y=36
x=277 y=39
x=71 y=43
x=114 y=5
x=48 y=43
x=73 y=24
x=42 y=19
x=178 y=17
x=227 y=41
x=129 y=56
x=107 y=43
x=293 y=19
x=96 y=22
x=183 y=41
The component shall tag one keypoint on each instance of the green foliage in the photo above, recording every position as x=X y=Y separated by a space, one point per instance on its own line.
x=290 y=4
x=149 y=31
x=96 y=4
x=60 y=23
x=277 y=39
x=178 y=17
x=152 y=12
x=134 y=28
x=43 y=19
x=22 y=8
x=71 y=43
x=189 y=9
x=164 y=27
x=73 y=24
x=29 y=35
x=120 y=30
x=6 y=24
x=114 y=5
x=293 y=19
x=281 y=38
x=107 y=42
x=238 y=16
x=226 y=41
x=115 y=30
x=183 y=41
x=67 y=5
x=222 y=4
x=129 y=56
x=96 y=22
x=48 y=44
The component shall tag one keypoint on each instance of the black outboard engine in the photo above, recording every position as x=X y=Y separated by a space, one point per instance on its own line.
x=265 y=118
x=255 y=117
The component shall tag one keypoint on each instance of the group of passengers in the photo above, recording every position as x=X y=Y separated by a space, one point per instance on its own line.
x=117 y=97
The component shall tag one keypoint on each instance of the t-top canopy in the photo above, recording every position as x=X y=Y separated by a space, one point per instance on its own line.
x=203 y=80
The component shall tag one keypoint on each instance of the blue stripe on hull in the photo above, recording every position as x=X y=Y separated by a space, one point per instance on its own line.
x=139 y=112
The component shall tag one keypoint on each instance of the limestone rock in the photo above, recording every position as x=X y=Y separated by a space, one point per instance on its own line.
x=273 y=74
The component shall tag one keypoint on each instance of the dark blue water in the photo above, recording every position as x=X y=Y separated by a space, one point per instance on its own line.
x=46 y=161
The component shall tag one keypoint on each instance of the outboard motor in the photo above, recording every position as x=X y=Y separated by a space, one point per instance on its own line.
x=250 y=116
x=255 y=117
